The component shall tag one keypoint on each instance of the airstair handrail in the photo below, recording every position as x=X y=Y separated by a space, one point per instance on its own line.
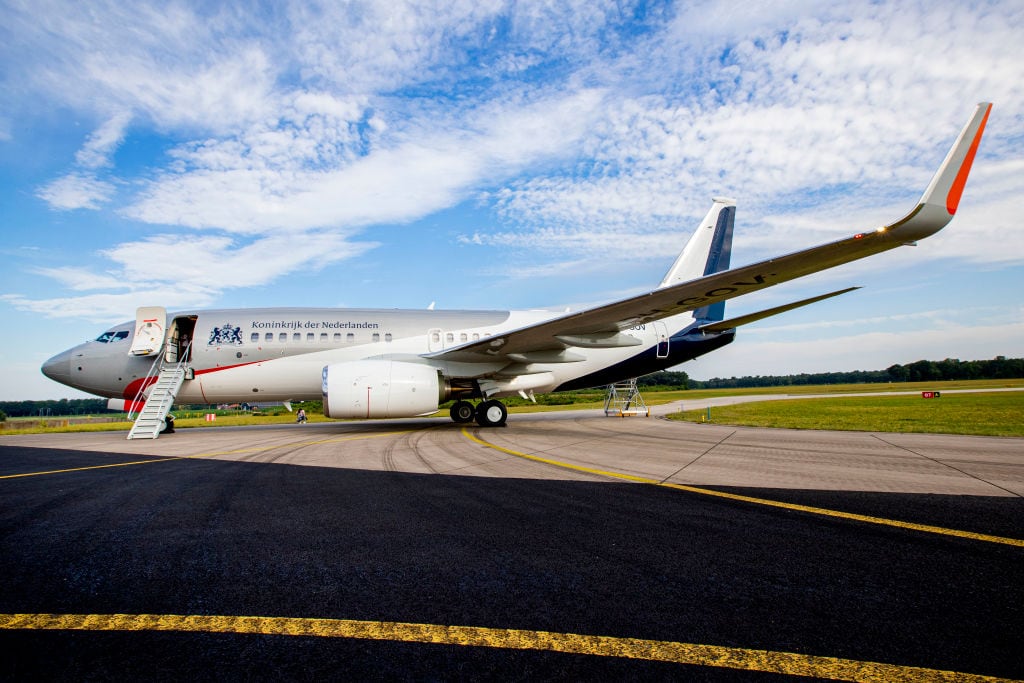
x=145 y=383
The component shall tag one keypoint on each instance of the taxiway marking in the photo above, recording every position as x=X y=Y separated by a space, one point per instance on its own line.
x=769 y=661
x=758 y=501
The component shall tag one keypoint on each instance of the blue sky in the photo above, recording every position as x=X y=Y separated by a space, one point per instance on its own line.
x=503 y=155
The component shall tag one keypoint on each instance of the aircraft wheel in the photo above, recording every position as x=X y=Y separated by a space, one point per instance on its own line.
x=491 y=414
x=462 y=412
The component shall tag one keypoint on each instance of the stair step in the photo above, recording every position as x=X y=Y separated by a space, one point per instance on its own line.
x=150 y=419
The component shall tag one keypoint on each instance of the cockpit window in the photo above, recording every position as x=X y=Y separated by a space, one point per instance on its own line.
x=112 y=336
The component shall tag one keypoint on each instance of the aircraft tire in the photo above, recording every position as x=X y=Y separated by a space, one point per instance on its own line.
x=462 y=412
x=491 y=414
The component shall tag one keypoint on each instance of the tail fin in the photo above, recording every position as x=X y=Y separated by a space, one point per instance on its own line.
x=707 y=252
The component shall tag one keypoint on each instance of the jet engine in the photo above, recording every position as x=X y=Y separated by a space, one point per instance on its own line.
x=382 y=388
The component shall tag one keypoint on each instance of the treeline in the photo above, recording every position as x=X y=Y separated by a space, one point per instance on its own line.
x=999 y=367
x=64 y=406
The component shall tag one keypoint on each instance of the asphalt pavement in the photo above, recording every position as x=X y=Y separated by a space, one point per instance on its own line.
x=600 y=532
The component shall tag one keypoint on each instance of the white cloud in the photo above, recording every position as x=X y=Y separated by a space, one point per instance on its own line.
x=594 y=137
x=82 y=279
x=787 y=113
x=76 y=191
x=102 y=143
x=264 y=181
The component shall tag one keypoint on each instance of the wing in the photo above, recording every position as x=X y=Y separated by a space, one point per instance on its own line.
x=602 y=326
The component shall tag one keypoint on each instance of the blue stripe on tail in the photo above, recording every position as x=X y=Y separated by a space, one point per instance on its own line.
x=718 y=260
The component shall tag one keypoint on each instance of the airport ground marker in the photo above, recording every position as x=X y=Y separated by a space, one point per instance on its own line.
x=927 y=528
x=767 y=661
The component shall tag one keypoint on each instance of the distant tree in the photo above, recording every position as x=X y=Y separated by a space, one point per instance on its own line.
x=664 y=378
x=898 y=373
x=1000 y=367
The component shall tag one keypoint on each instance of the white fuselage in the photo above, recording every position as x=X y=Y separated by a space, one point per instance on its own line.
x=279 y=354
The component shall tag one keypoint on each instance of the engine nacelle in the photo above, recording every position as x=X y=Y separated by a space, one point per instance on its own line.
x=381 y=388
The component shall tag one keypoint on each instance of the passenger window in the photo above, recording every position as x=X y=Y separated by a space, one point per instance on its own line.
x=449 y=338
x=297 y=337
x=255 y=337
x=309 y=337
x=283 y=337
x=337 y=337
x=323 y=337
x=463 y=337
x=376 y=336
x=435 y=337
x=350 y=337
x=476 y=336
x=387 y=336
x=269 y=336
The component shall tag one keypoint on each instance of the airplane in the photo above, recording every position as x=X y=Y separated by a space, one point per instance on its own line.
x=375 y=363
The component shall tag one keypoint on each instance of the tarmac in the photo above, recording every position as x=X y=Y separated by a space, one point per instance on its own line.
x=565 y=546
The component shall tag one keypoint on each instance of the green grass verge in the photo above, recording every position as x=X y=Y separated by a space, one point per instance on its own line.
x=1007 y=425
x=989 y=414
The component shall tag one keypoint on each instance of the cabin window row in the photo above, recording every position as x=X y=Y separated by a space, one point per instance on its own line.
x=449 y=337
x=311 y=337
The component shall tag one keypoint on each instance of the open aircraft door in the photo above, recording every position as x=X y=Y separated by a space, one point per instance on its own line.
x=663 y=338
x=150 y=326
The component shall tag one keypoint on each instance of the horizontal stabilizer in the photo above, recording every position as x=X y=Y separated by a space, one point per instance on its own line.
x=724 y=325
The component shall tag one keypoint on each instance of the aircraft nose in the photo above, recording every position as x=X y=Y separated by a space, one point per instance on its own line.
x=58 y=368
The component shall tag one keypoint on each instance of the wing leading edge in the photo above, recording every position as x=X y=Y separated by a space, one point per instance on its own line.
x=589 y=327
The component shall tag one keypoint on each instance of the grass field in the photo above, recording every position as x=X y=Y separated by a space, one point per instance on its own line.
x=990 y=414
x=999 y=414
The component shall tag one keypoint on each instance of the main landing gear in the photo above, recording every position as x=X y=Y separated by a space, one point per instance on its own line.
x=489 y=413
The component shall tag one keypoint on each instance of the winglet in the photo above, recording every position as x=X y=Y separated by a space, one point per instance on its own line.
x=939 y=202
x=948 y=184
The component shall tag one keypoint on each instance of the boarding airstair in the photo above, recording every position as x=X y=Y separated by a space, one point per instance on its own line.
x=152 y=418
x=624 y=399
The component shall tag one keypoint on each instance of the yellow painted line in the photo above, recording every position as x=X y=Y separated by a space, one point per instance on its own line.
x=211 y=454
x=90 y=467
x=786 y=663
x=758 y=501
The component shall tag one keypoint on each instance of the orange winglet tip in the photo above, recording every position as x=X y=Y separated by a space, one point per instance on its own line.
x=957 y=188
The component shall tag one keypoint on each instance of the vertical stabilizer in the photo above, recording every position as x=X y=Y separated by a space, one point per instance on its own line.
x=707 y=252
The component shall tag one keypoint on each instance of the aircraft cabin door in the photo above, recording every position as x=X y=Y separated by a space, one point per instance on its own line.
x=178 y=348
x=663 y=339
x=150 y=324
